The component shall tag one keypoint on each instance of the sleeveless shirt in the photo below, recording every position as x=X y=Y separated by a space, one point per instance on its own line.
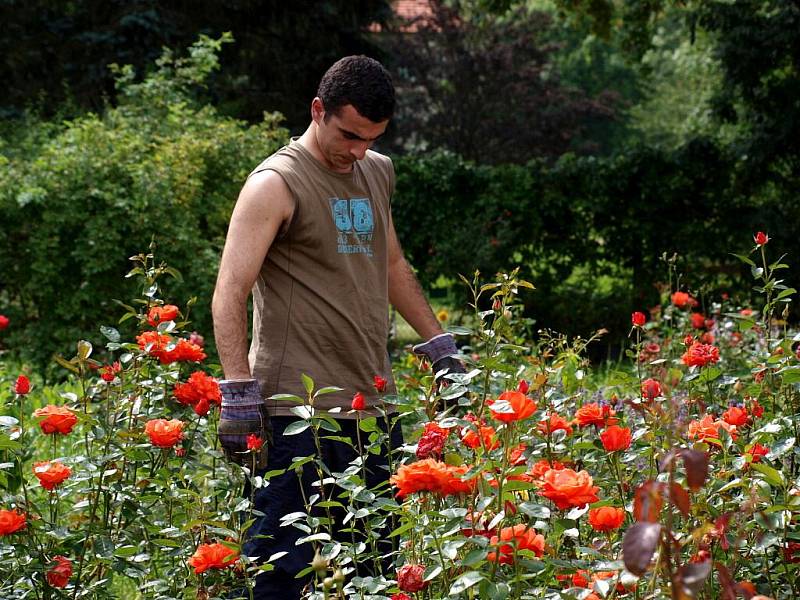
x=320 y=302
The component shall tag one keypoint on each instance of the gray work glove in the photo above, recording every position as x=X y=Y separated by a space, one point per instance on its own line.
x=243 y=414
x=441 y=351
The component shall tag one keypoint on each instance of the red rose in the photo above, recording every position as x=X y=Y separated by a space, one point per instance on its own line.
x=756 y=409
x=11 y=521
x=212 y=556
x=22 y=385
x=358 y=402
x=400 y=596
x=57 y=419
x=523 y=386
x=594 y=414
x=4 y=321
x=197 y=339
x=638 y=319
x=700 y=355
x=757 y=452
x=512 y=406
x=735 y=416
x=512 y=539
x=616 y=438
x=410 y=578
x=159 y=314
x=200 y=391
x=254 y=442
x=761 y=238
x=554 y=423
x=698 y=320
x=379 y=383
x=683 y=300
x=58 y=575
x=109 y=372
x=432 y=441
x=566 y=488
x=163 y=433
x=651 y=389
x=606 y=518
x=51 y=473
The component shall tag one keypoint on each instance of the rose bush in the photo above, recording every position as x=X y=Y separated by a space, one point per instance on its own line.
x=528 y=476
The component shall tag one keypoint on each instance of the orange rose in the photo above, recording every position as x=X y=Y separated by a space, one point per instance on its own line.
x=11 y=521
x=512 y=406
x=51 y=473
x=566 y=488
x=200 y=391
x=616 y=438
x=57 y=419
x=700 y=355
x=554 y=423
x=163 y=433
x=735 y=416
x=606 y=518
x=212 y=556
x=486 y=437
x=159 y=314
x=518 y=537
x=543 y=466
x=707 y=430
x=431 y=475
x=167 y=350
x=594 y=414
x=683 y=300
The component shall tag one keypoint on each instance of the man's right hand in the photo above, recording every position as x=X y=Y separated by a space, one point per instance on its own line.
x=244 y=415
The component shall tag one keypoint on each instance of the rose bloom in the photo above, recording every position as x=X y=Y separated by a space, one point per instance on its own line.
x=566 y=488
x=160 y=346
x=756 y=409
x=698 y=320
x=22 y=385
x=521 y=406
x=159 y=314
x=200 y=391
x=109 y=372
x=486 y=436
x=254 y=442
x=594 y=414
x=757 y=452
x=358 y=402
x=682 y=300
x=649 y=352
x=431 y=475
x=379 y=383
x=57 y=419
x=212 y=556
x=523 y=386
x=4 y=321
x=58 y=575
x=616 y=438
x=163 y=433
x=735 y=416
x=638 y=319
x=553 y=424
x=707 y=430
x=400 y=596
x=651 y=389
x=512 y=539
x=410 y=578
x=11 y=521
x=700 y=355
x=432 y=441
x=543 y=466
x=761 y=238
x=51 y=473
x=606 y=518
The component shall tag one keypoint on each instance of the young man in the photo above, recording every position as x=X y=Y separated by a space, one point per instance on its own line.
x=312 y=236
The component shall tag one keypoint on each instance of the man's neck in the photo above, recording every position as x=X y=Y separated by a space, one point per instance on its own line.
x=309 y=142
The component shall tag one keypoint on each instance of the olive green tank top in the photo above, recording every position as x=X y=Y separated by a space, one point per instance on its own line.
x=320 y=303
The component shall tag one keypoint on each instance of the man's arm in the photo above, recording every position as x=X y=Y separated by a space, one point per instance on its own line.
x=264 y=205
x=406 y=294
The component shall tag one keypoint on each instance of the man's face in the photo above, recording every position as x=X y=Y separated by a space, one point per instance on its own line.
x=344 y=137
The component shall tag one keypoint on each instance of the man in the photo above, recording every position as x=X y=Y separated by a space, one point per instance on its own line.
x=312 y=236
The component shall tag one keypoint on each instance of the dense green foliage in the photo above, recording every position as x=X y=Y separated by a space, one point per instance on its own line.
x=77 y=201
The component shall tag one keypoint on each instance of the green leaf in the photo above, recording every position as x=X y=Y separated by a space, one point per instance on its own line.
x=772 y=476
x=465 y=581
x=308 y=383
x=745 y=259
x=537 y=511
x=327 y=390
x=296 y=427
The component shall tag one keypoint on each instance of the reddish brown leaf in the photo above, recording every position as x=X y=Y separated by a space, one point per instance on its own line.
x=728 y=591
x=647 y=501
x=692 y=577
x=639 y=545
x=680 y=498
x=696 y=464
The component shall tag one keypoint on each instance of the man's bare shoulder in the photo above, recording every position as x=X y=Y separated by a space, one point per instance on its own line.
x=267 y=191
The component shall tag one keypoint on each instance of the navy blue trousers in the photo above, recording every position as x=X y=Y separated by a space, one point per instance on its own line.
x=283 y=495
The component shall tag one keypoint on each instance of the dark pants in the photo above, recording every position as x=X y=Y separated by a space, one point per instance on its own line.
x=283 y=496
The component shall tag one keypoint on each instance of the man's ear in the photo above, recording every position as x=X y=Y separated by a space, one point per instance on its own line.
x=317 y=110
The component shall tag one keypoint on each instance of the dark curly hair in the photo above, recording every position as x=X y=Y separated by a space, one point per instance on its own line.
x=360 y=81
